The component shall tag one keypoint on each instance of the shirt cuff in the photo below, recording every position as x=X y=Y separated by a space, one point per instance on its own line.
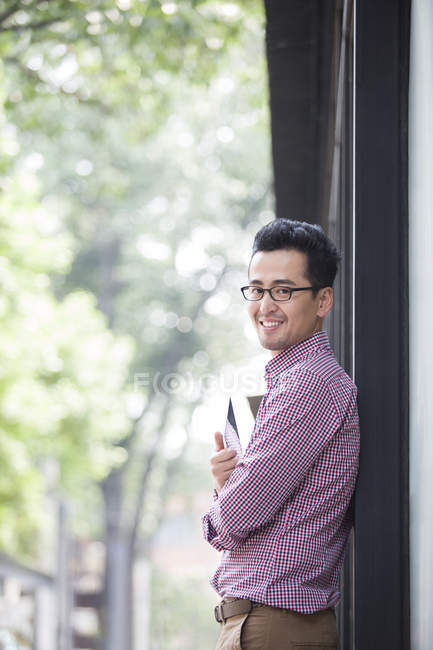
x=218 y=538
x=210 y=534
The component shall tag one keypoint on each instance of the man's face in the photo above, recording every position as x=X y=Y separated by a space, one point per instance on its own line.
x=282 y=324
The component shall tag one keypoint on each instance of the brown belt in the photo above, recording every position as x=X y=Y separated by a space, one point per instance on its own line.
x=227 y=609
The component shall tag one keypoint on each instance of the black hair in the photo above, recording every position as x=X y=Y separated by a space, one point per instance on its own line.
x=322 y=254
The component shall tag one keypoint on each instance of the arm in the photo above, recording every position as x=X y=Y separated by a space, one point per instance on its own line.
x=299 y=423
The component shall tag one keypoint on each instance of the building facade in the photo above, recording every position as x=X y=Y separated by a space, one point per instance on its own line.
x=351 y=93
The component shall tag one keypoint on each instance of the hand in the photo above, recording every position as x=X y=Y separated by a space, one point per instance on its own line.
x=222 y=462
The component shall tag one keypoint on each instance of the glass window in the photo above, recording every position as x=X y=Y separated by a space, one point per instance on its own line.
x=421 y=320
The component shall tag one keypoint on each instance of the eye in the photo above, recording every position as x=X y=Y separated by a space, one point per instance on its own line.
x=281 y=291
x=255 y=291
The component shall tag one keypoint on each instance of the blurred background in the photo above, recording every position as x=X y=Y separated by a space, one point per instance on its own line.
x=135 y=171
x=136 y=165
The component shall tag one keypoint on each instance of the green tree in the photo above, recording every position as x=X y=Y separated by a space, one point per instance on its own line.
x=63 y=372
x=145 y=124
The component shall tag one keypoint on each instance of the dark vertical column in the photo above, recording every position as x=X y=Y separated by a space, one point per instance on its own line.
x=300 y=49
x=381 y=324
x=340 y=323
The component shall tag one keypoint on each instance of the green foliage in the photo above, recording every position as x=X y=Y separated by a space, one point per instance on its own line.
x=138 y=164
x=61 y=377
x=112 y=54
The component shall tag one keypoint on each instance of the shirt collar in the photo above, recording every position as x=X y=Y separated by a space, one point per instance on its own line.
x=295 y=353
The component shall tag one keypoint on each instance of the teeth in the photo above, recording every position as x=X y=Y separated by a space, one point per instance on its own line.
x=270 y=323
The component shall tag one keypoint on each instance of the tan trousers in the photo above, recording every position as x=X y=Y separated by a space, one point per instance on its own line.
x=273 y=628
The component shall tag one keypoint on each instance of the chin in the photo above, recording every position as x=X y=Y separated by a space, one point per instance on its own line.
x=274 y=346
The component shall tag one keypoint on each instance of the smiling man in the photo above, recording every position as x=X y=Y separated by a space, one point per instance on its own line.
x=281 y=514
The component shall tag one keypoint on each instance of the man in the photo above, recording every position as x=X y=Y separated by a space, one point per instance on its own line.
x=281 y=513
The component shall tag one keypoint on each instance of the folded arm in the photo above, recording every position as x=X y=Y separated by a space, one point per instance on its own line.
x=299 y=423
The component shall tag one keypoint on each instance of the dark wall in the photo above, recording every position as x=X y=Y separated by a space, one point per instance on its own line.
x=300 y=48
x=303 y=40
x=381 y=324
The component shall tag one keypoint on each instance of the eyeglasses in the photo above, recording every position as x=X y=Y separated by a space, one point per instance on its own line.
x=279 y=294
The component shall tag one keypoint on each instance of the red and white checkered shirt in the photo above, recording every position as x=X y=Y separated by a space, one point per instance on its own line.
x=282 y=519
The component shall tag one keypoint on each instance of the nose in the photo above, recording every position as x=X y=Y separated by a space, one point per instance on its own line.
x=267 y=304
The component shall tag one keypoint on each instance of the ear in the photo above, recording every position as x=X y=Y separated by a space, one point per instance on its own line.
x=326 y=300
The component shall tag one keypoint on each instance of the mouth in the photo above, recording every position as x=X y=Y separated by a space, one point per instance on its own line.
x=270 y=325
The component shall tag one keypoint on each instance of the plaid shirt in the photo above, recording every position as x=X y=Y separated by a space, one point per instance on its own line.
x=282 y=519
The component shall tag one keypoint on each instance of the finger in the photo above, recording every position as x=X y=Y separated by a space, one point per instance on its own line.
x=216 y=471
x=219 y=441
x=221 y=468
x=223 y=455
x=229 y=463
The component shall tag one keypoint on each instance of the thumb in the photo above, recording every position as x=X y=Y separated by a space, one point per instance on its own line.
x=219 y=442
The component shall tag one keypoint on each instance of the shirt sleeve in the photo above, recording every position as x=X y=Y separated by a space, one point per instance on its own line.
x=298 y=423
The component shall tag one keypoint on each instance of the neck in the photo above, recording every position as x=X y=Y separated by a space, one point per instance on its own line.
x=315 y=331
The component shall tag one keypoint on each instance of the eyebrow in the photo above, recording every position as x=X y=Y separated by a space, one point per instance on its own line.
x=284 y=281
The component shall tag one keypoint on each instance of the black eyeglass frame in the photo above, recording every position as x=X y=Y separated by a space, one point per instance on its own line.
x=290 y=289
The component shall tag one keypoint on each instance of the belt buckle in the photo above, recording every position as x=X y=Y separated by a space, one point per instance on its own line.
x=219 y=612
